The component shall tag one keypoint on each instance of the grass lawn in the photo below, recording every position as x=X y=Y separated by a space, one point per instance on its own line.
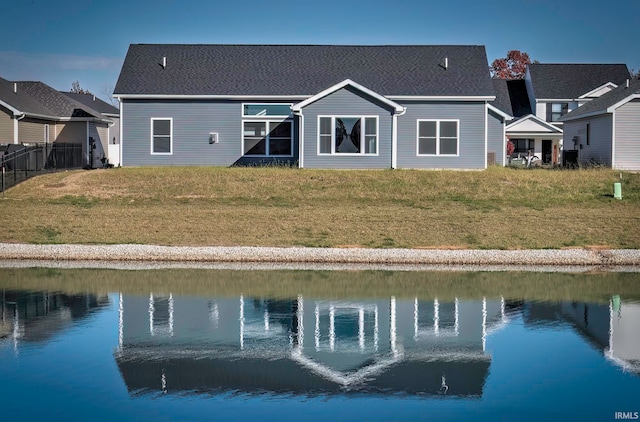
x=499 y=208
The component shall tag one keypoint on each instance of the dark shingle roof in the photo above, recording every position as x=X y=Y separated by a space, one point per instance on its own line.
x=303 y=69
x=601 y=104
x=37 y=98
x=570 y=81
x=21 y=100
x=502 y=101
x=93 y=102
x=511 y=97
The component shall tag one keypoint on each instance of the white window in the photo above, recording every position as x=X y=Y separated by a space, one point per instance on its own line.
x=267 y=138
x=162 y=136
x=355 y=135
x=438 y=137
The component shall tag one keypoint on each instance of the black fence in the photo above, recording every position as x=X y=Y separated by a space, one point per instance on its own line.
x=19 y=162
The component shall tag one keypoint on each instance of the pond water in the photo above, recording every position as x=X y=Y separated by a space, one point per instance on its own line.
x=318 y=345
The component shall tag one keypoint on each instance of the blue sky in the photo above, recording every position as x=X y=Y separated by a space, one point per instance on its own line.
x=60 y=41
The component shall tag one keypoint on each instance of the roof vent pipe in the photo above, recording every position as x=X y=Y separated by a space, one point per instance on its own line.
x=627 y=83
x=15 y=87
x=446 y=63
x=164 y=62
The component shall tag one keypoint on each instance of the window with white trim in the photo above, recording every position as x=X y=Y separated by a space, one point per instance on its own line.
x=267 y=138
x=438 y=137
x=161 y=136
x=356 y=135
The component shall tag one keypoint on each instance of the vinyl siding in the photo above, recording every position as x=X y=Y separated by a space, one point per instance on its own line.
x=6 y=126
x=471 y=142
x=71 y=132
x=347 y=102
x=99 y=133
x=32 y=130
x=627 y=141
x=495 y=137
x=599 y=148
x=192 y=123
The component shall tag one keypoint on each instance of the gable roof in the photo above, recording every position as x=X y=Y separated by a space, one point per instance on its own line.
x=607 y=102
x=37 y=99
x=93 y=102
x=397 y=107
x=532 y=125
x=303 y=70
x=570 y=81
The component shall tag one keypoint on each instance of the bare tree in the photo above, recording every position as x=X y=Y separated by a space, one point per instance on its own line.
x=75 y=89
x=107 y=91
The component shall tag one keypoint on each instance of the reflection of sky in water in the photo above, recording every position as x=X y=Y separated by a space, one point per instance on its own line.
x=544 y=360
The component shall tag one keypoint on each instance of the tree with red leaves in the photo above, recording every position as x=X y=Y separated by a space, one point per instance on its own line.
x=513 y=66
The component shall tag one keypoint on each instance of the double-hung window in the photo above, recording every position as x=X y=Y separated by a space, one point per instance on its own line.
x=267 y=130
x=356 y=135
x=162 y=136
x=438 y=137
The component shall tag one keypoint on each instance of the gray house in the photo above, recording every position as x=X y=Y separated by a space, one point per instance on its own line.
x=607 y=130
x=315 y=106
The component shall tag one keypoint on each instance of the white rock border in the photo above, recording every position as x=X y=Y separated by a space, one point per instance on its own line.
x=248 y=254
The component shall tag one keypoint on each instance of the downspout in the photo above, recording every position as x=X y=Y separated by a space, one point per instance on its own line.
x=486 y=134
x=15 y=128
x=613 y=140
x=394 y=138
x=300 y=138
x=121 y=133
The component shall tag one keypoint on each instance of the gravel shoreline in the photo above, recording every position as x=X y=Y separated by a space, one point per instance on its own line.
x=247 y=254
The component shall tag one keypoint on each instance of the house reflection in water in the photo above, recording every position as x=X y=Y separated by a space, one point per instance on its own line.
x=614 y=328
x=305 y=346
x=37 y=316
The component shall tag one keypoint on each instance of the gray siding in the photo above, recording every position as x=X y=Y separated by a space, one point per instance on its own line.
x=599 y=148
x=6 y=126
x=347 y=102
x=471 y=144
x=192 y=123
x=495 y=137
x=627 y=141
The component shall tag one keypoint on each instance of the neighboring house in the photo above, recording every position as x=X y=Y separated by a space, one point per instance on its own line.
x=33 y=112
x=554 y=90
x=607 y=130
x=110 y=143
x=317 y=106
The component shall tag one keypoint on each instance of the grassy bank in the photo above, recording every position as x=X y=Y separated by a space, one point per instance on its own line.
x=498 y=208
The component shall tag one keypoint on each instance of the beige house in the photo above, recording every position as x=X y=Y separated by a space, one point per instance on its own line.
x=33 y=112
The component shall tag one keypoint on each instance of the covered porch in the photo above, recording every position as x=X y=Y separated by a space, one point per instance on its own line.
x=533 y=136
